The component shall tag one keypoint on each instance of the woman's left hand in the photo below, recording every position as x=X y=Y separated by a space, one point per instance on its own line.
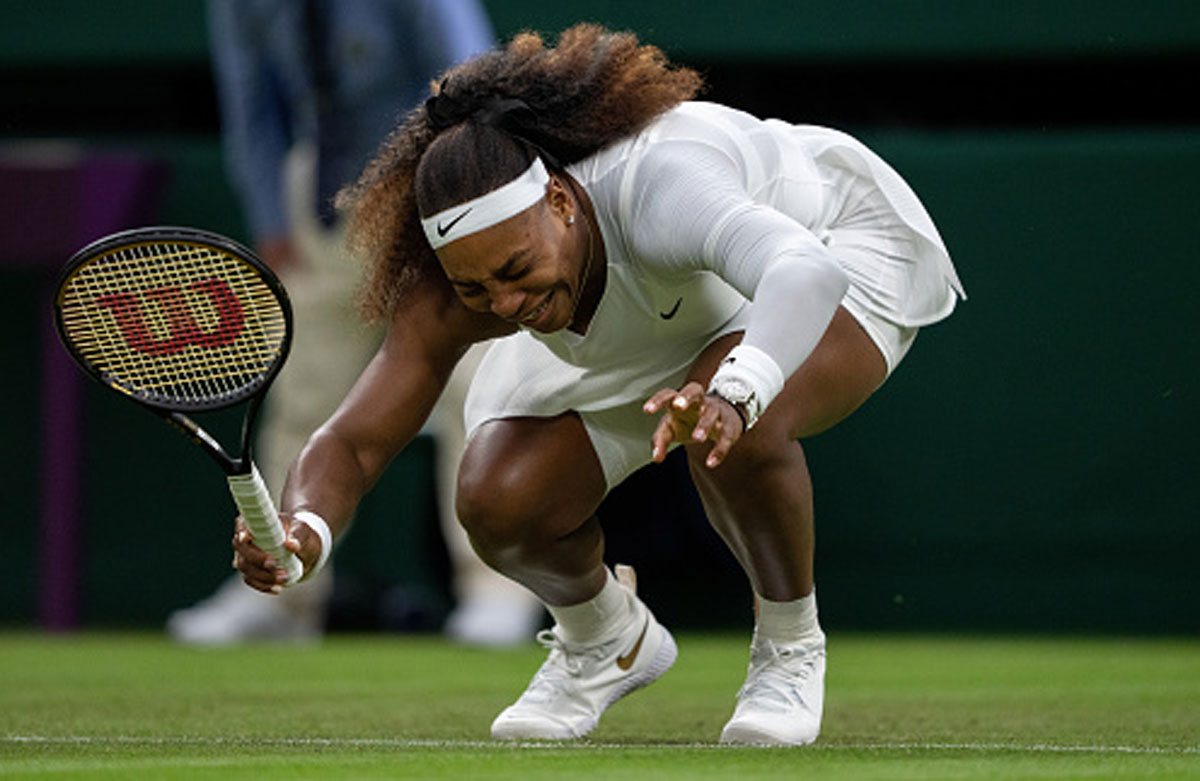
x=693 y=416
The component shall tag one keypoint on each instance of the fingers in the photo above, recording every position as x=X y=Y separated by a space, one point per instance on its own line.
x=304 y=543
x=722 y=443
x=688 y=400
x=723 y=425
x=660 y=441
x=659 y=400
x=708 y=420
x=682 y=411
x=693 y=416
x=259 y=569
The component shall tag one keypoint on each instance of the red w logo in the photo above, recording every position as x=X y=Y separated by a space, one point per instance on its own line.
x=184 y=330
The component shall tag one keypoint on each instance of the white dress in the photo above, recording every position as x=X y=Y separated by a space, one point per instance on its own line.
x=716 y=221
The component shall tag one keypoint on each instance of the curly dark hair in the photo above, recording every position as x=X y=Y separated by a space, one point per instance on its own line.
x=486 y=120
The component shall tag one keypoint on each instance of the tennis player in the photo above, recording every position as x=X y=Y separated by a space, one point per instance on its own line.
x=658 y=272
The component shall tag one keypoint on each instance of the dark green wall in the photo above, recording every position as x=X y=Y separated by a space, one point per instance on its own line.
x=1034 y=457
x=1031 y=464
x=57 y=31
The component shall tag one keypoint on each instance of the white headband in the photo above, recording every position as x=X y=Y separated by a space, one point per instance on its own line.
x=488 y=209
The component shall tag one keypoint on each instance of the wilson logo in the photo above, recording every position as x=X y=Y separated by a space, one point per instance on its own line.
x=183 y=329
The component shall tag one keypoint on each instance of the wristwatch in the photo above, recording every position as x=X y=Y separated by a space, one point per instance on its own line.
x=740 y=395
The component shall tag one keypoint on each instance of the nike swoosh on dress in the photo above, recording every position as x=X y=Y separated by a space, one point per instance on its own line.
x=674 y=309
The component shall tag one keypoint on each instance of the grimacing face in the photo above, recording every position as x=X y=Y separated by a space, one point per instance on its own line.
x=525 y=270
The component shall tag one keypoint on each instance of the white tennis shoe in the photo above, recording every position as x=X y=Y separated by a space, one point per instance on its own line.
x=578 y=682
x=237 y=614
x=781 y=702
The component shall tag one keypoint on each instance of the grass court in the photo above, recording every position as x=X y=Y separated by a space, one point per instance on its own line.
x=134 y=706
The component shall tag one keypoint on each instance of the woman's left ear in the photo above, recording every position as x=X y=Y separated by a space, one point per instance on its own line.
x=561 y=201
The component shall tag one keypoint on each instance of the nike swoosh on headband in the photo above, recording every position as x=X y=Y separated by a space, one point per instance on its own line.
x=444 y=229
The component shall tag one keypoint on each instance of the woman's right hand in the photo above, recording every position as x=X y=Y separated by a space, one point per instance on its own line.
x=259 y=569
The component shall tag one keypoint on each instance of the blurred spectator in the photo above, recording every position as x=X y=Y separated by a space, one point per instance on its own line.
x=308 y=89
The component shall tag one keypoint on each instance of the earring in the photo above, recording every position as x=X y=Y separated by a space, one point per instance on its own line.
x=571 y=219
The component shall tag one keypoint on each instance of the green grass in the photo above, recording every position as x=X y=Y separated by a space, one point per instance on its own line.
x=134 y=706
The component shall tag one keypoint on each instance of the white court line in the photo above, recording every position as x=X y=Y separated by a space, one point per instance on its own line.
x=403 y=743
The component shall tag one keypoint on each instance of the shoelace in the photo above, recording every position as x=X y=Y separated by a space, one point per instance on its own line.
x=777 y=673
x=562 y=665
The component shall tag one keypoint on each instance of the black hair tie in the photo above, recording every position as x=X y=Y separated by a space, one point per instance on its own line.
x=446 y=110
x=515 y=117
x=512 y=115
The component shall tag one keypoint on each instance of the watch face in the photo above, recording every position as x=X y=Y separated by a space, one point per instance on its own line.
x=734 y=391
x=741 y=395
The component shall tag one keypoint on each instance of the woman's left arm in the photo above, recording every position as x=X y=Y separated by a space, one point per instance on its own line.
x=706 y=221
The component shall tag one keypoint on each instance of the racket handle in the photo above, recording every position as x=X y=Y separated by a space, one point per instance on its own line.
x=258 y=511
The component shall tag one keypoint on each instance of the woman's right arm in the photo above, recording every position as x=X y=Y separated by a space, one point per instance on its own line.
x=382 y=413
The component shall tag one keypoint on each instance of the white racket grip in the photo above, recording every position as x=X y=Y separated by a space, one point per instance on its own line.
x=258 y=511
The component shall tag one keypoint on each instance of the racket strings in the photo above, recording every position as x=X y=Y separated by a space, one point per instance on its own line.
x=180 y=322
x=167 y=351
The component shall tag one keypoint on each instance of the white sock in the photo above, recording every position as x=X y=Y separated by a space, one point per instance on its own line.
x=787 y=623
x=597 y=618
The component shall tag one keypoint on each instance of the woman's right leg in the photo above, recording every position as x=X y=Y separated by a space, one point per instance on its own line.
x=490 y=610
x=528 y=493
x=528 y=489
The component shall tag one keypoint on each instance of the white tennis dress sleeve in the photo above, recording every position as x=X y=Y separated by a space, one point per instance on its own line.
x=689 y=211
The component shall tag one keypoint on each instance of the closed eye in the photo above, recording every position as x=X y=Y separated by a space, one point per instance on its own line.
x=514 y=268
x=469 y=289
x=511 y=275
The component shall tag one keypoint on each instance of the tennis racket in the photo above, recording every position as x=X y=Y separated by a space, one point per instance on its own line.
x=183 y=321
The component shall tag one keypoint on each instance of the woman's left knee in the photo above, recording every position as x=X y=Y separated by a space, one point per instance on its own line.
x=760 y=450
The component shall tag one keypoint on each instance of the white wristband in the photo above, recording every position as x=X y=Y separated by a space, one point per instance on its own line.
x=318 y=525
x=748 y=366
